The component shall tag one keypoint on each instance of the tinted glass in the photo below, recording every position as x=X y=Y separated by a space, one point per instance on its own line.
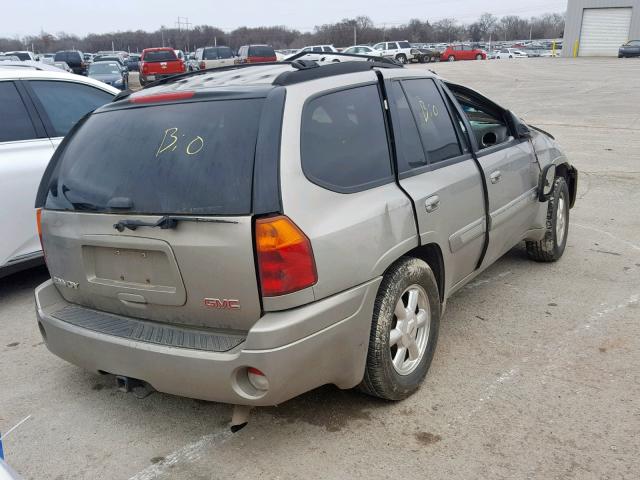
x=22 y=56
x=186 y=158
x=225 y=52
x=408 y=145
x=317 y=49
x=432 y=117
x=60 y=57
x=159 y=56
x=66 y=102
x=104 y=68
x=392 y=46
x=344 y=142
x=327 y=49
x=15 y=123
x=73 y=58
x=404 y=44
x=261 y=51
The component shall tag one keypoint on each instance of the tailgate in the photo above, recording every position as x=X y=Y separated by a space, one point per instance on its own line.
x=200 y=274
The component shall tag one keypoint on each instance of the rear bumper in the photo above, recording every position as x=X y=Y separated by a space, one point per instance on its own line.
x=325 y=342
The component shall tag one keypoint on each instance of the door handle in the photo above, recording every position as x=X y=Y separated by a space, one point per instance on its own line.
x=496 y=176
x=432 y=203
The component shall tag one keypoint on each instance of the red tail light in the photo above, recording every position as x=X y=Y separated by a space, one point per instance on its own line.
x=285 y=257
x=39 y=223
x=203 y=65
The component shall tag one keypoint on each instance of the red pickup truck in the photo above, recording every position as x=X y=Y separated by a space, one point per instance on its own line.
x=157 y=63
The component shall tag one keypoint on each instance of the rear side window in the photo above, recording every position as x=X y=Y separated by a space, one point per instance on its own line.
x=15 y=123
x=344 y=142
x=67 y=102
x=60 y=57
x=404 y=44
x=432 y=118
x=159 y=56
x=184 y=158
x=407 y=139
x=261 y=51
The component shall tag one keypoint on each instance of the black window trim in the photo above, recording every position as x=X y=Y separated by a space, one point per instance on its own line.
x=42 y=113
x=437 y=165
x=363 y=187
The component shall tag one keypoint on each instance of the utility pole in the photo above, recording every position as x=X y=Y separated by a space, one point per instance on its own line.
x=530 y=31
x=355 y=34
x=184 y=21
x=162 y=33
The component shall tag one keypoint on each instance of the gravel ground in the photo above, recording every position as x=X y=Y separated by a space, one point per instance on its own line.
x=536 y=374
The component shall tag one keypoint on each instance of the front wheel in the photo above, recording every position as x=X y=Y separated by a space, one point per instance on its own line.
x=478 y=57
x=404 y=330
x=452 y=58
x=552 y=246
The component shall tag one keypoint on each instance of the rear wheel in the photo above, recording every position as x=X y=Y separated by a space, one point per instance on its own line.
x=552 y=246
x=404 y=330
x=478 y=57
x=452 y=58
x=402 y=58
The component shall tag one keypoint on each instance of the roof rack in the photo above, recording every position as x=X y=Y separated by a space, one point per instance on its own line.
x=371 y=58
x=329 y=70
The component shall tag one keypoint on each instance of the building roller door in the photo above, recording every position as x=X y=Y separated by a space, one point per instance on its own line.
x=603 y=31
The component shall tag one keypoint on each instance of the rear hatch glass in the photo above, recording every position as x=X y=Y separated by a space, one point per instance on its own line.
x=159 y=56
x=261 y=51
x=184 y=158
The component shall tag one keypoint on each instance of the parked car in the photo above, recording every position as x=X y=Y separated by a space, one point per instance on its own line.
x=462 y=52
x=110 y=57
x=214 y=57
x=9 y=58
x=22 y=54
x=256 y=54
x=63 y=66
x=158 y=63
x=510 y=53
x=48 y=58
x=317 y=52
x=73 y=58
x=111 y=73
x=401 y=51
x=365 y=50
x=39 y=107
x=426 y=54
x=629 y=49
x=133 y=62
x=264 y=242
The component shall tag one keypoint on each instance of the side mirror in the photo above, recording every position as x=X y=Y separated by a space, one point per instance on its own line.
x=545 y=184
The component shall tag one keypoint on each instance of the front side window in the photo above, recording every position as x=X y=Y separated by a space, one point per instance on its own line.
x=67 y=102
x=15 y=123
x=344 y=141
x=392 y=46
x=486 y=122
x=379 y=46
x=432 y=117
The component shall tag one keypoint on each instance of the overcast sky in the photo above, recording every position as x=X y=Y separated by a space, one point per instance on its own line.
x=26 y=17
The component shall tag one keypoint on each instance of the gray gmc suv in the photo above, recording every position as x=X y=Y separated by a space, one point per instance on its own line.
x=247 y=234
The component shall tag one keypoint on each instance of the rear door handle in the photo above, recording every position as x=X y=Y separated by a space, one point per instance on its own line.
x=496 y=176
x=432 y=203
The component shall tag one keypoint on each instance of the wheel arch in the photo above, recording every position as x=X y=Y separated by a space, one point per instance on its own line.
x=431 y=253
x=570 y=175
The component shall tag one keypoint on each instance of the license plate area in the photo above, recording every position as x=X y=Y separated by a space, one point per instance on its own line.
x=140 y=268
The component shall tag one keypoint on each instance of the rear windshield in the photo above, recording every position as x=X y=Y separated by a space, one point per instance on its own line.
x=261 y=52
x=215 y=53
x=185 y=158
x=159 y=56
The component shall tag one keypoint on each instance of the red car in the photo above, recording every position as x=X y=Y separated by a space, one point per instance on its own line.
x=462 y=52
x=157 y=63
x=256 y=54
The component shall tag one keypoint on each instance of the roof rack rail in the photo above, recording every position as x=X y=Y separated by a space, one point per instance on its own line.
x=328 y=70
x=371 y=58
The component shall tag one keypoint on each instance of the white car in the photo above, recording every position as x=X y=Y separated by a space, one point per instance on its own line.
x=214 y=57
x=364 y=50
x=401 y=51
x=38 y=108
x=511 y=53
x=319 y=53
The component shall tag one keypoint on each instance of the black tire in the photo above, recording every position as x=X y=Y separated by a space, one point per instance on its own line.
x=452 y=58
x=549 y=249
x=381 y=379
x=402 y=58
x=423 y=59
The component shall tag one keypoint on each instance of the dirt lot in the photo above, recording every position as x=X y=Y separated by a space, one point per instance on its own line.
x=536 y=374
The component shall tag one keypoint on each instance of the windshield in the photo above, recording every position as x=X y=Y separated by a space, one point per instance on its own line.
x=104 y=68
x=215 y=53
x=261 y=51
x=185 y=158
x=159 y=56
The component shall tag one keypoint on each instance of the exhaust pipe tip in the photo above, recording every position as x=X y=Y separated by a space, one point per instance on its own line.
x=240 y=417
x=237 y=428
